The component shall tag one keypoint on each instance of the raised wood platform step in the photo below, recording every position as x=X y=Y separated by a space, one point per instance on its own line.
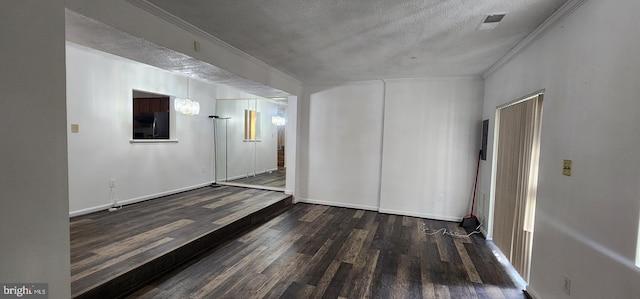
x=113 y=254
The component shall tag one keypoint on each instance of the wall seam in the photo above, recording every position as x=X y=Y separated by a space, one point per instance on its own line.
x=384 y=100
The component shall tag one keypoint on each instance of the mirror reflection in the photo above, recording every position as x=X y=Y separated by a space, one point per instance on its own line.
x=249 y=139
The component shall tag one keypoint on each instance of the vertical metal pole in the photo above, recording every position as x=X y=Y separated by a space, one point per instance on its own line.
x=215 y=152
x=226 y=149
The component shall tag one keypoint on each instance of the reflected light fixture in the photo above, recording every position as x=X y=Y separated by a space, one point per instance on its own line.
x=186 y=106
x=278 y=120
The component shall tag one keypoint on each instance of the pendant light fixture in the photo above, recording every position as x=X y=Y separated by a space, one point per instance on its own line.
x=186 y=106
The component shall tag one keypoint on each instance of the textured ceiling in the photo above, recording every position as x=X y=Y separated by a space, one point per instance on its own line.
x=329 y=41
x=93 y=34
x=320 y=41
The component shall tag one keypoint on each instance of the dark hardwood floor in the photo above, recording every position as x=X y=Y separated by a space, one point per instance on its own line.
x=273 y=179
x=313 y=251
x=114 y=252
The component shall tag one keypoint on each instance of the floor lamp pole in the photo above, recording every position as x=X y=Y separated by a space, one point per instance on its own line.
x=215 y=146
x=226 y=148
x=215 y=149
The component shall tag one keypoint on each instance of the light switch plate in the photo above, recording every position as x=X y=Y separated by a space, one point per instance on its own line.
x=566 y=167
x=75 y=128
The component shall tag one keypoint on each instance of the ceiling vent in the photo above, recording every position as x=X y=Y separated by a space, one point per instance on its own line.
x=490 y=22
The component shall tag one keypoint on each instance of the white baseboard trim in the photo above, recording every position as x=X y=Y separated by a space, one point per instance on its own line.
x=483 y=230
x=337 y=204
x=243 y=185
x=375 y=208
x=135 y=200
x=533 y=293
x=242 y=176
x=89 y=210
x=232 y=178
x=421 y=215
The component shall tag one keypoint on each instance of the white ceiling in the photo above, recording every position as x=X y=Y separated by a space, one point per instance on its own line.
x=318 y=41
x=328 y=41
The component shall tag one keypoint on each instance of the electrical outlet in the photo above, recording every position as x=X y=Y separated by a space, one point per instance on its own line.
x=112 y=183
x=566 y=284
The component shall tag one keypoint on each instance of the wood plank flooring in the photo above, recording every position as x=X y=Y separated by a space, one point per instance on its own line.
x=274 y=179
x=111 y=250
x=313 y=251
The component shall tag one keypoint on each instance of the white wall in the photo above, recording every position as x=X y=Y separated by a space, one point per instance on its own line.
x=432 y=132
x=34 y=223
x=431 y=143
x=99 y=99
x=587 y=224
x=340 y=145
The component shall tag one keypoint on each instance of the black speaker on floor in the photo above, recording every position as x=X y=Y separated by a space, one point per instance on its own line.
x=485 y=136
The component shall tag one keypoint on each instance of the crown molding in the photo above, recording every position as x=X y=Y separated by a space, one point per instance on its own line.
x=391 y=80
x=436 y=78
x=180 y=23
x=344 y=83
x=546 y=26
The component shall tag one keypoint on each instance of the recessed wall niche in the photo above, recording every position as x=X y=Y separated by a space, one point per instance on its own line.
x=150 y=115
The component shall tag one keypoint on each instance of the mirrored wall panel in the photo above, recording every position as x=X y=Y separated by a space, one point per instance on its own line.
x=249 y=139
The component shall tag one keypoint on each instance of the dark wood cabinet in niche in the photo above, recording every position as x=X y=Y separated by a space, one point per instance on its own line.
x=150 y=115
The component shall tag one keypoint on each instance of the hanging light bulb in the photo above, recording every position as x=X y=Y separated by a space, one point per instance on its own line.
x=278 y=120
x=186 y=106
